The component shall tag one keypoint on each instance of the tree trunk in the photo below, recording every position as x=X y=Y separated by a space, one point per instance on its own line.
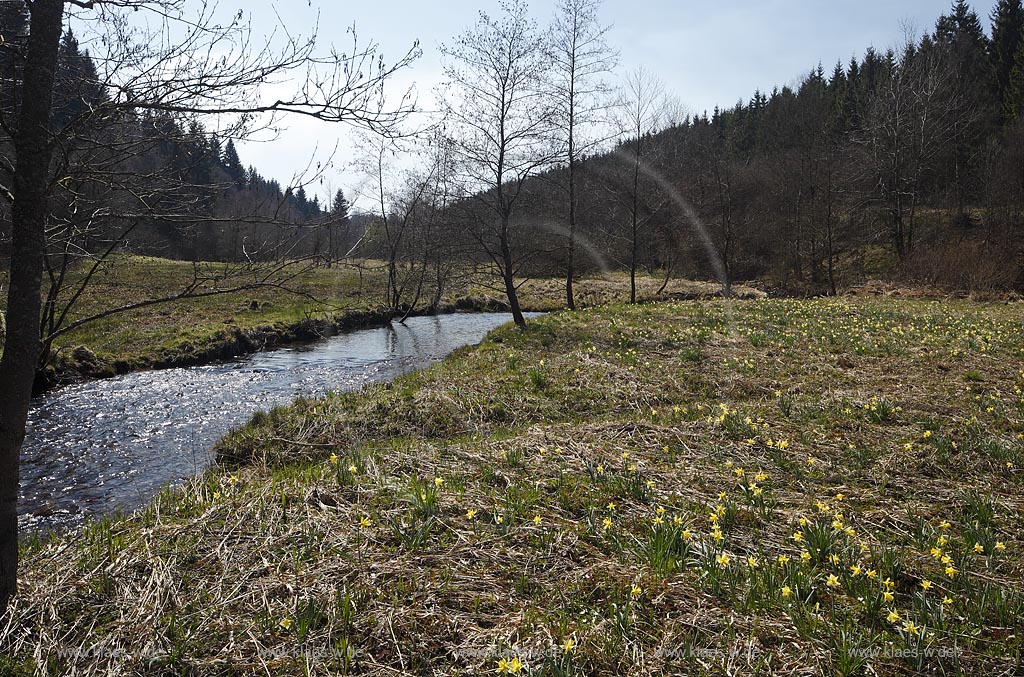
x=510 y=283
x=28 y=244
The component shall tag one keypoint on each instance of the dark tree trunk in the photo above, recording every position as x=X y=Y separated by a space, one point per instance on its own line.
x=28 y=244
x=507 y=273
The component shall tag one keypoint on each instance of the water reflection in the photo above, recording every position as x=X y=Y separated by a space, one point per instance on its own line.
x=112 y=444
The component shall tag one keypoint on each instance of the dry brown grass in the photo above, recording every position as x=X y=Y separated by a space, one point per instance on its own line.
x=580 y=411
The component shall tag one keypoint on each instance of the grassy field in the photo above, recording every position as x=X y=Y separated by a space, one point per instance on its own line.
x=700 y=487
x=196 y=330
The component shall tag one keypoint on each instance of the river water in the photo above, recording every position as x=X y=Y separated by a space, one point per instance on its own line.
x=112 y=444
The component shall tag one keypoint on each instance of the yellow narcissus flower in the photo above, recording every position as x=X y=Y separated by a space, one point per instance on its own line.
x=1000 y=546
x=352 y=469
x=911 y=628
x=783 y=560
x=334 y=458
x=607 y=523
x=947 y=600
x=833 y=558
x=832 y=581
x=855 y=569
x=797 y=536
x=888 y=596
x=611 y=506
x=568 y=645
x=536 y=519
x=926 y=584
x=600 y=469
x=805 y=556
x=893 y=617
x=978 y=547
x=364 y=522
x=951 y=571
x=470 y=514
x=285 y=623
x=636 y=591
x=752 y=562
x=687 y=535
x=944 y=525
x=438 y=481
x=786 y=591
x=722 y=559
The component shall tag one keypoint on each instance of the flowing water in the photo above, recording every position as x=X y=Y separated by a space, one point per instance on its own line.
x=112 y=444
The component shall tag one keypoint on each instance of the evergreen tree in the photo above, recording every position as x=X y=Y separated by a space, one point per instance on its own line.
x=339 y=207
x=1007 y=36
x=1013 y=106
x=233 y=164
x=78 y=88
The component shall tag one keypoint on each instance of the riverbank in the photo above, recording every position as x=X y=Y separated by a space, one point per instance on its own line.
x=318 y=302
x=795 y=487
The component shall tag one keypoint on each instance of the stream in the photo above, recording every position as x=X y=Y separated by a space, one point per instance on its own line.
x=112 y=444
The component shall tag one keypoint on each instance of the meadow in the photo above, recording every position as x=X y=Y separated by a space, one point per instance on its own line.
x=791 y=487
x=311 y=302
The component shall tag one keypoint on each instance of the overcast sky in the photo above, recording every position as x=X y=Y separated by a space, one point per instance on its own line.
x=707 y=53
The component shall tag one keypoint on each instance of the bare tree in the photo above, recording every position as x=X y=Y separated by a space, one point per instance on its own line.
x=187 y=64
x=913 y=117
x=499 y=122
x=639 y=112
x=580 y=56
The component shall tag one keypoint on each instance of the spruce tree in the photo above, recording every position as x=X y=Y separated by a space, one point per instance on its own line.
x=1007 y=36
x=233 y=164
x=1013 y=104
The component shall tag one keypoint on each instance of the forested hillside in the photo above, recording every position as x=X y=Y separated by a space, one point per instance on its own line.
x=157 y=182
